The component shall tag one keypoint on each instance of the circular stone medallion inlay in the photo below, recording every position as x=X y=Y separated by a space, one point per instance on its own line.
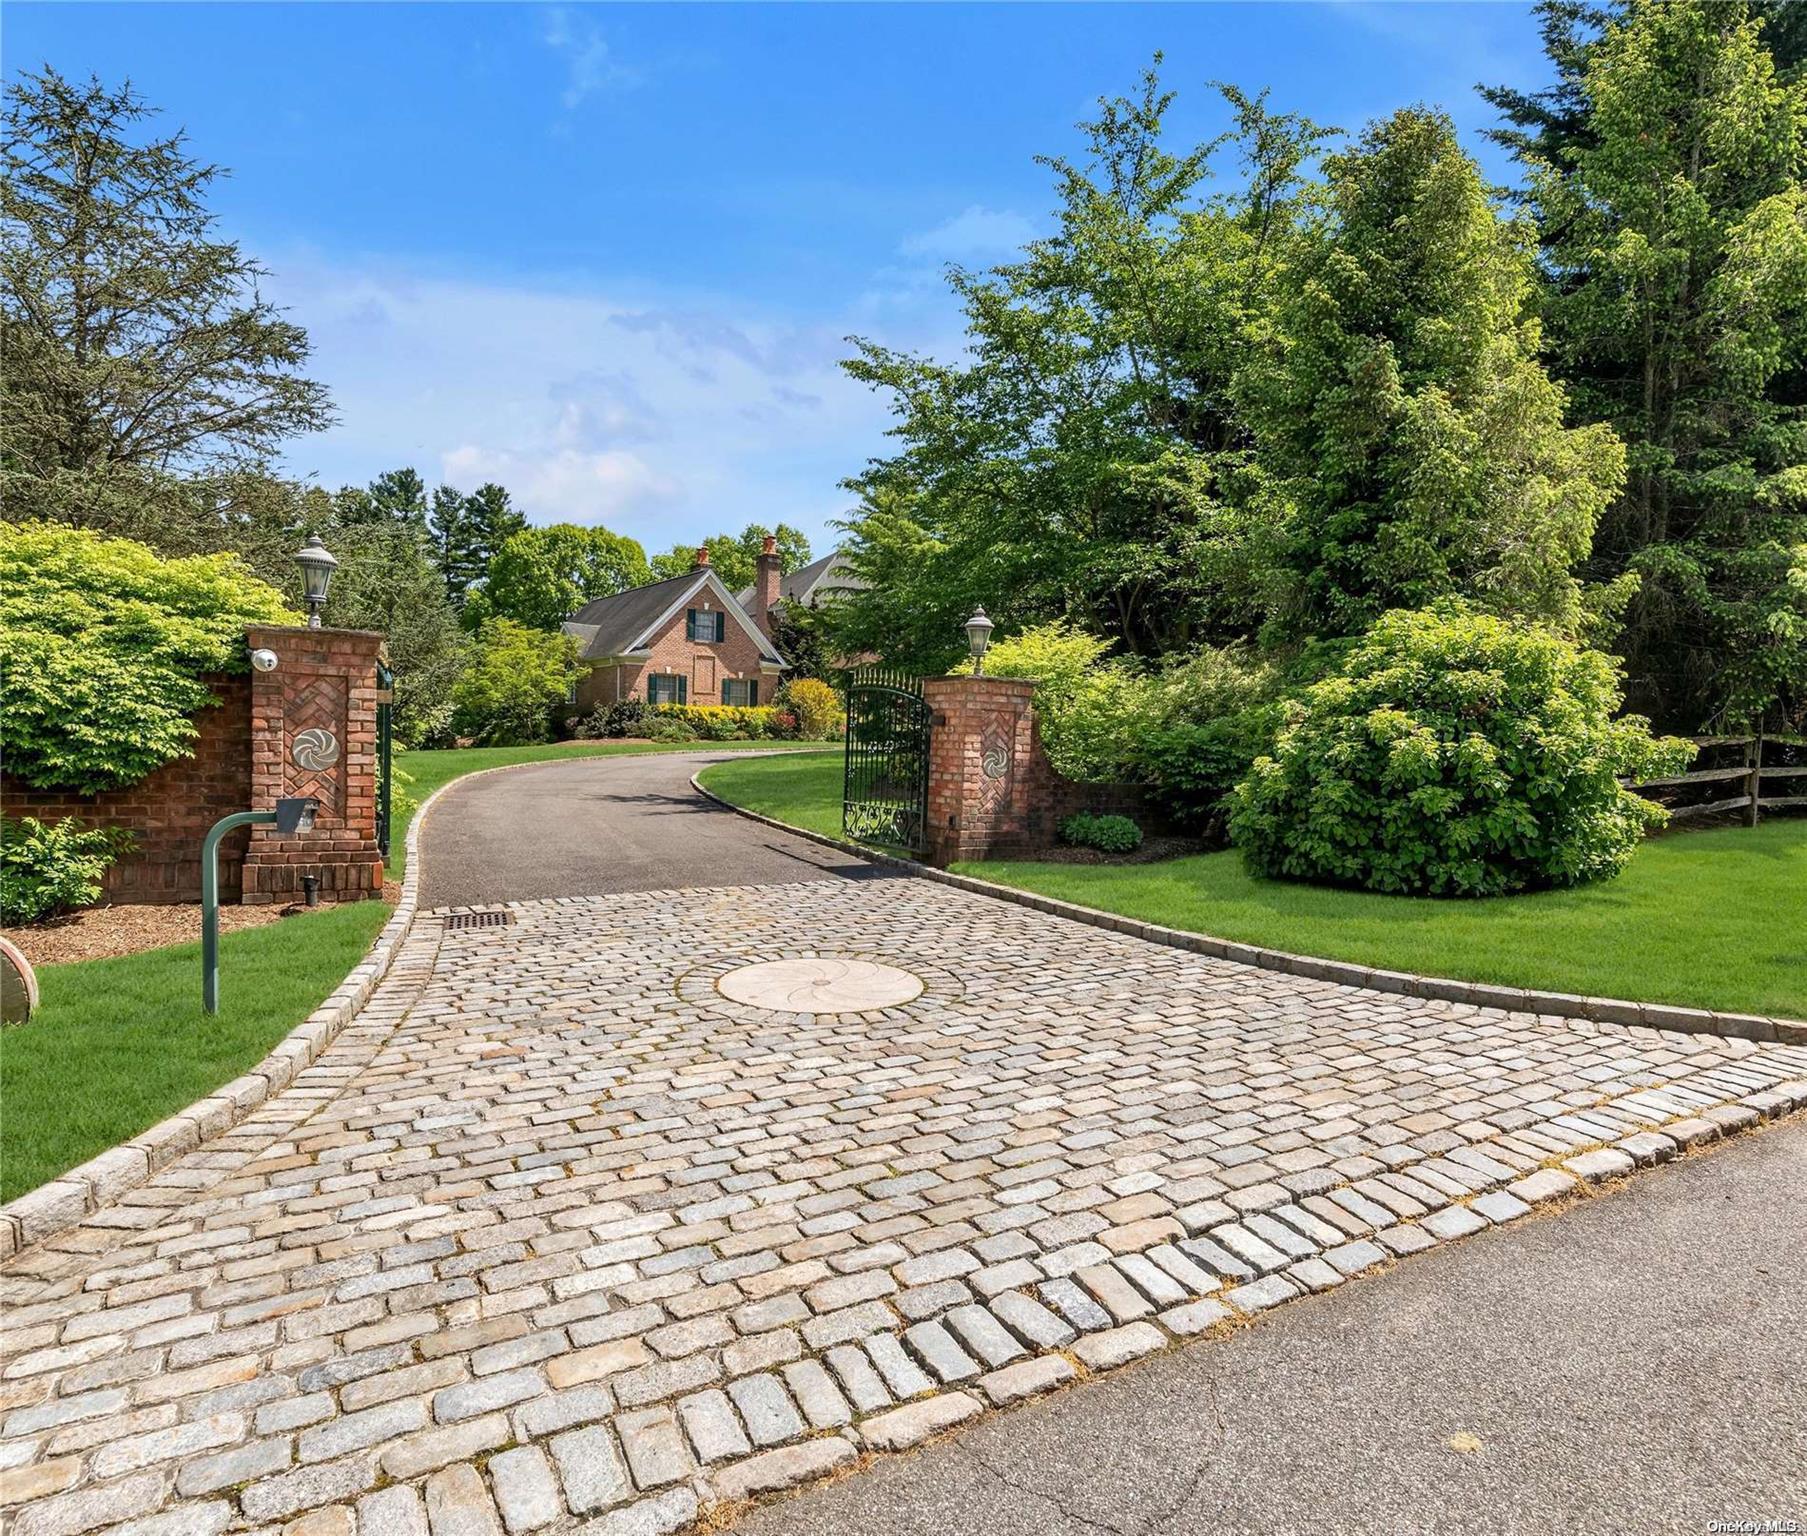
x=823 y=985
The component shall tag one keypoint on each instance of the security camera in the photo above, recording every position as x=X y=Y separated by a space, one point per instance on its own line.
x=263 y=659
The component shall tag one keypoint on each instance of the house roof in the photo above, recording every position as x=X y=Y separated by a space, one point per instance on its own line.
x=797 y=585
x=624 y=624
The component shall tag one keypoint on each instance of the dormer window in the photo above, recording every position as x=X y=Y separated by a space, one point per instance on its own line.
x=700 y=624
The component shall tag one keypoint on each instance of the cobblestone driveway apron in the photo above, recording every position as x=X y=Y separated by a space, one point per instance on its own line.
x=557 y=1235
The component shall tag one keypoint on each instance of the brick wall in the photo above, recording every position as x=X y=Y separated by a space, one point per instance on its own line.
x=170 y=811
x=244 y=758
x=325 y=680
x=992 y=791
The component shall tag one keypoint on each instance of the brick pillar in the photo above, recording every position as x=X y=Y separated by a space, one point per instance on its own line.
x=313 y=732
x=987 y=772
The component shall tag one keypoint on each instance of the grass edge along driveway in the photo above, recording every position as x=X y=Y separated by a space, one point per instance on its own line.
x=120 y=1044
x=1713 y=919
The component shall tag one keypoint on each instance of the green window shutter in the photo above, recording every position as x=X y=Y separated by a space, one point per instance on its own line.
x=683 y=689
x=690 y=624
x=753 y=693
x=721 y=626
x=725 y=698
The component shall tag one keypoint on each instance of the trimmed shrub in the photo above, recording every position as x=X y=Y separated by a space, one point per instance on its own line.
x=48 y=868
x=1108 y=834
x=104 y=646
x=721 y=722
x=1454 y=754
x=814 y=705
x=664 y=728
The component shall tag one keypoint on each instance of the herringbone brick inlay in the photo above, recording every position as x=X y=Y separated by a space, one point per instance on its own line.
x=319 y=704
x=556 y=1236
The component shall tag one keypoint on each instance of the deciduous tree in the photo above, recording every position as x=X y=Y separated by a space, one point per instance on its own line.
x=541 y=576
x=734 y=554
x=1078 y=464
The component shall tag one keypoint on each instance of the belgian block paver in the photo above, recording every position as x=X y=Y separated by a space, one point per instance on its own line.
x=556 y=1236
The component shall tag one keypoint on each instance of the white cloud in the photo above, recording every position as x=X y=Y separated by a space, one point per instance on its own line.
x=589 y=66
x=665 y=420
x=976 y=232
x=565 y=485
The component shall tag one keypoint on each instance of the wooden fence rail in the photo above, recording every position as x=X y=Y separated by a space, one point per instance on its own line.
x=1751 y=773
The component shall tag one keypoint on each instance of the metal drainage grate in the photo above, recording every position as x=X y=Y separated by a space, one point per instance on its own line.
x=460 y=920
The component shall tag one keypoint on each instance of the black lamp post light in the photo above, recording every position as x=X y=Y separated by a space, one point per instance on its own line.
x=293 y=814
x=978 y=638
x=317 y=567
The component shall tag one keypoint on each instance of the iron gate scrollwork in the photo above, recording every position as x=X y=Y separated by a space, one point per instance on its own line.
x=885 y=797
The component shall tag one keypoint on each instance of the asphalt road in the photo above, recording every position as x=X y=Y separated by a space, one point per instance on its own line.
x=1636 y=1363
x=598 y=825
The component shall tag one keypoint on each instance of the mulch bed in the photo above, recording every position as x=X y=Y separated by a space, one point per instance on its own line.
x=98 y=933
x=1152 y=851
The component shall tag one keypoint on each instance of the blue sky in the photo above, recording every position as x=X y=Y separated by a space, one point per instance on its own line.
x=609 y=255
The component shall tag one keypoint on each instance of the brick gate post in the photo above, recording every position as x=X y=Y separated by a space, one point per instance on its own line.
x=987 y=772
x=313 y=732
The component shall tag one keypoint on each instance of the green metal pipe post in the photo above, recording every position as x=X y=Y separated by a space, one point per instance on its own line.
x=210 y=899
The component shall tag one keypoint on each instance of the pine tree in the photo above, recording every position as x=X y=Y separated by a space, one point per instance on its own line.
x=1675 y=233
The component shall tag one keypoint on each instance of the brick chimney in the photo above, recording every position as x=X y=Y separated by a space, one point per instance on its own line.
x=765 y=588
x=702 y=557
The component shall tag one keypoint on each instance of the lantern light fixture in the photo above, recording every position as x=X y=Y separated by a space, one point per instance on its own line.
x=317 y=567
x=978 y=637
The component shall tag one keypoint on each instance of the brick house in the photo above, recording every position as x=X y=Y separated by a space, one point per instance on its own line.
x=684 y=640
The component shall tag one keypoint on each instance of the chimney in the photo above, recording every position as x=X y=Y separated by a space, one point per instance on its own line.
x=765 y=588
x=702 y=557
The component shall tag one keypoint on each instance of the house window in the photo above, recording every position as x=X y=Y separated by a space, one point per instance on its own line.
x=700 y=625
x=743 y=691
x=667 y=690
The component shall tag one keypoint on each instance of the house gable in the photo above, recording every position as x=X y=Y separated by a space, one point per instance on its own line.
x=711 y=584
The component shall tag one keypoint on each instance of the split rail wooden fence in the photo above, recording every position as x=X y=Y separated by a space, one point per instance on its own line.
x=1751 y=776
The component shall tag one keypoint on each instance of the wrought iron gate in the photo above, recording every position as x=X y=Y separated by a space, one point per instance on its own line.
x=385 y=753
x=885 y=796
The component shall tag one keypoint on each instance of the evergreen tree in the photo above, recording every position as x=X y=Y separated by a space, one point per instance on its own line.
x=396 y=495
x=136 y=353
x=1676 y=235
x=1408 y=444
x=467 y=532
x=389 y=580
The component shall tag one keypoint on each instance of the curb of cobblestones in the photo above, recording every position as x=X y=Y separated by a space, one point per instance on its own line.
x=85 y=1188
x=1600 y=1010
x=70 y=1197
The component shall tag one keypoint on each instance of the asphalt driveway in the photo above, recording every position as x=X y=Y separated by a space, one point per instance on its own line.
x=600 y=826
x=1634 y=1363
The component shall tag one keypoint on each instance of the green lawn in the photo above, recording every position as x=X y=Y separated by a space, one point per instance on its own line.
x=1706 y=919
x=802 y=791
x=120 y=1044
